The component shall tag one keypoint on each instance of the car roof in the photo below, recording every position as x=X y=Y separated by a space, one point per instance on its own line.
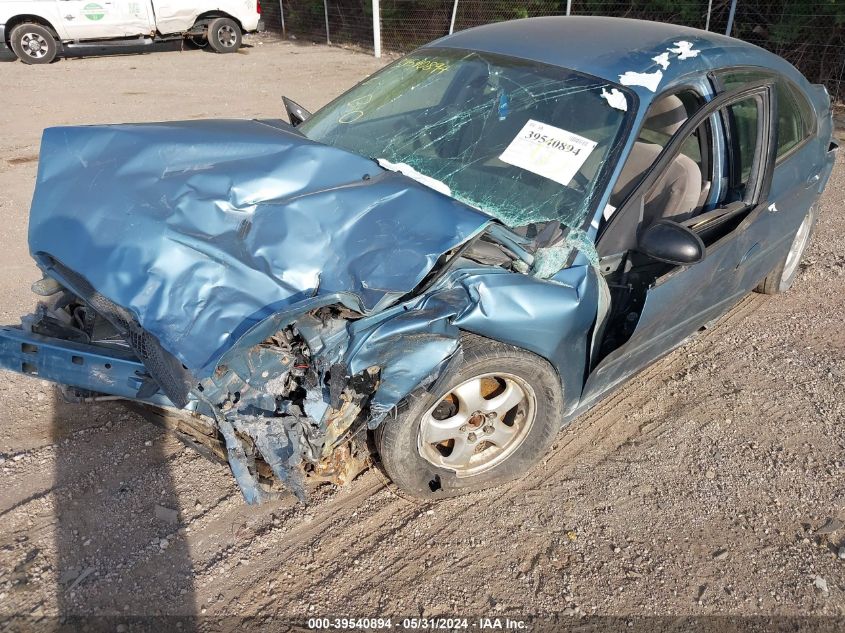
x=609 y=48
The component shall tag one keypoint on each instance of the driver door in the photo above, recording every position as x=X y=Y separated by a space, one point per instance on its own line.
x=105 y=19
x=655 y=306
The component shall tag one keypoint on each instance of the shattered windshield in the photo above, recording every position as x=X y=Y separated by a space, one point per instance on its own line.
x=522 y=141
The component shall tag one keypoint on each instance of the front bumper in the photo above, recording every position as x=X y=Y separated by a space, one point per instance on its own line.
x=250 y=22
x=93 y=368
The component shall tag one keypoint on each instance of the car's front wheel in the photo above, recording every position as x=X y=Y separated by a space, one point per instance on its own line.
x=33 y=43
x=781 y=278
x=490 y=423
x=224 y=35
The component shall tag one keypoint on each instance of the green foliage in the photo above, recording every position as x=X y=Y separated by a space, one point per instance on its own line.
x=808 y=33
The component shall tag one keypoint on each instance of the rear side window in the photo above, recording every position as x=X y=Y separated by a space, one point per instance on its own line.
x=796 y=120
x=743 y=119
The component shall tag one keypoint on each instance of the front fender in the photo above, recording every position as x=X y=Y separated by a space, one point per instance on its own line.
x=551 y=318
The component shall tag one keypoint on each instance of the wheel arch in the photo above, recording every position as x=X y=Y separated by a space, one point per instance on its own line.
x=553 y=320
x=398 y=439
x=569 y=375
x=418 y=348
x=23 y=18
x=205 y=18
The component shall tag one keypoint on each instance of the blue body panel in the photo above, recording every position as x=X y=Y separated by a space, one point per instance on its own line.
x=203 y=229
x=99 y=369
x=217 y=235
x=551 y=318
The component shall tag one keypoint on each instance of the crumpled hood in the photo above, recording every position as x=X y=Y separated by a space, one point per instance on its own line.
x=202 y=229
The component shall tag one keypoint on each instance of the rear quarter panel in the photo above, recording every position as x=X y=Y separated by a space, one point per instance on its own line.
x=177 y=16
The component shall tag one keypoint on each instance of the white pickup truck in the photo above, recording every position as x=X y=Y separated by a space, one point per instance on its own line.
x=38 y=30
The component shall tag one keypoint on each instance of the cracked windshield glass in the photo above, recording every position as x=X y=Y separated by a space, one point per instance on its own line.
x=522 y=141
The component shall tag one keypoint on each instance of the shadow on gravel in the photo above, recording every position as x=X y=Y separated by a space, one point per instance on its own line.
x=119 y=551
x=112 y=51
x=105 y=51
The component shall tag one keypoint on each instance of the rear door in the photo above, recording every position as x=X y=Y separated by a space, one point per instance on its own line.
x=669 y=303
x=177 y=16
x=797 y=173
x=104 y=19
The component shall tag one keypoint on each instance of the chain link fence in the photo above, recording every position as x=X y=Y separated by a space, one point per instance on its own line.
x=808 y=33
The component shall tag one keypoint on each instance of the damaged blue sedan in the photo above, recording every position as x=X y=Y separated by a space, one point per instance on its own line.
x=441 y=267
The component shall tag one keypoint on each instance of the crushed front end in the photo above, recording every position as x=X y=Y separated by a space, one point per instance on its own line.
x=276 y=410
x=219 y=286
x=271 y=297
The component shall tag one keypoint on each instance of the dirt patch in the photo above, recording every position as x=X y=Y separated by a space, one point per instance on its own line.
x=710 y=484
x=23 y=160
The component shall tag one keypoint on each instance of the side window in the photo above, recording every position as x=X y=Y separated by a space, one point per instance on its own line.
x=683 y=189
x=663 y=119
x=795 y=114
x=795 y=117
x=743 y=130
x=743 y=124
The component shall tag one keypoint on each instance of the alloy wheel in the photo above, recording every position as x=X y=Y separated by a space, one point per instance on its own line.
x=226 y=36
x=793 y=258
x=34 y=45
x=478 y=424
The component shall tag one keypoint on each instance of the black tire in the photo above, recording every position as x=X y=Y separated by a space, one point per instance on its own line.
x=397 y=437
x=33 y=43
x=783 y=275
x=224 y=35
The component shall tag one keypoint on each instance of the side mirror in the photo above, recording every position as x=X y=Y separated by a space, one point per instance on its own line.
x=673 y=243
x=296 y=113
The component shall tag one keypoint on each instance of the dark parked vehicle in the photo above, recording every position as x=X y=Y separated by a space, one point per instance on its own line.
x=444 y=265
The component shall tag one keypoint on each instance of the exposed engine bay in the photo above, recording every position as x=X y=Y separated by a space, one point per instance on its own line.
x=277 y=313
x=290 y=405
x=282 y=412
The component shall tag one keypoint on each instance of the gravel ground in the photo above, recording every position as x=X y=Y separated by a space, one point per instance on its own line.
x=711 y=484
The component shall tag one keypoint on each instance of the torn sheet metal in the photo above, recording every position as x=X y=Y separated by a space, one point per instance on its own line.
x=278 y=442
x=410 y=347
x=203 y=229
x=414 y=345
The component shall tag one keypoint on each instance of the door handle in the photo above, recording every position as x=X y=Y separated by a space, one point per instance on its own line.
x=813 y=180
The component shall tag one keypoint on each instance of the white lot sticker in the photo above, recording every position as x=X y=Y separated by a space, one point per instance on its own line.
x=548 y=151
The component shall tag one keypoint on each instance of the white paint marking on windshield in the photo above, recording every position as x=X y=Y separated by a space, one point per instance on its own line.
x=413 y=174
x=615 y=98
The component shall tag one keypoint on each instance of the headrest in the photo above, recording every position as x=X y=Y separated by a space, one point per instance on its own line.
x=666 y=115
